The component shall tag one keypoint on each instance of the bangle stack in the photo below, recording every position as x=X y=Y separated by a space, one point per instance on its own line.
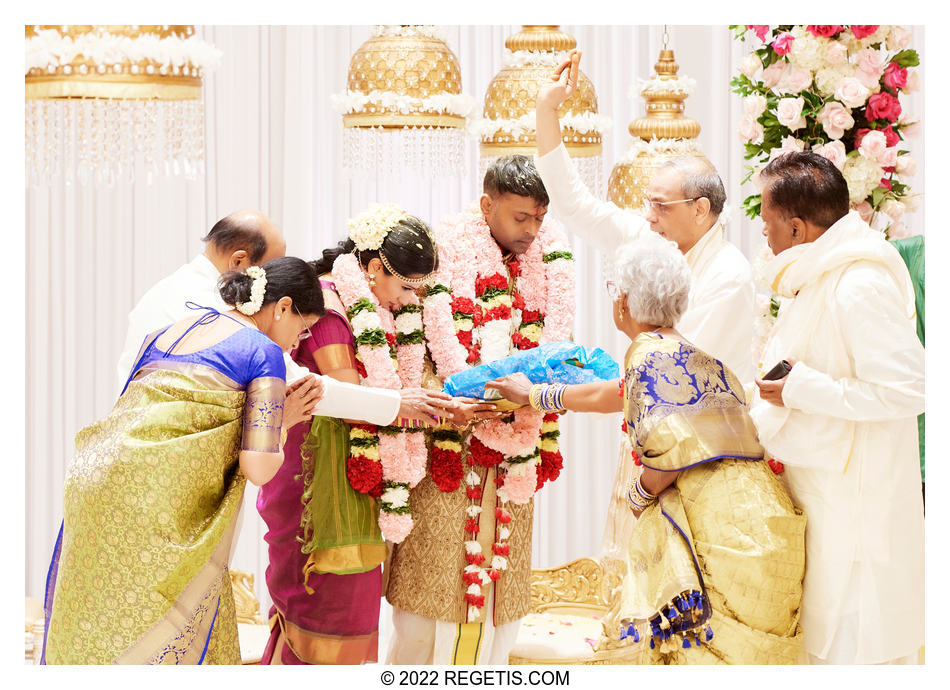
x=640 y=498
x=546 y=397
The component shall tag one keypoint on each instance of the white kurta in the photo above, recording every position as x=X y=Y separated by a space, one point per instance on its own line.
x=197 y=281
x=848 y=438
x=720 y=316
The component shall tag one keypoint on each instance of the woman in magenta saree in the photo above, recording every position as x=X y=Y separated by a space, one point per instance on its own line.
x=324 y=542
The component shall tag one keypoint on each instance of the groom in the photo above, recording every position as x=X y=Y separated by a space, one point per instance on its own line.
x=460 y=582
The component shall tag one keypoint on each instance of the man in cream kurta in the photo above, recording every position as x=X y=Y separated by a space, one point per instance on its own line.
x=843 y=421
x=241 y=239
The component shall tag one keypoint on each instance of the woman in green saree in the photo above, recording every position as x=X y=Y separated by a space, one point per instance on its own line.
x=716 y=559
x=140 y=571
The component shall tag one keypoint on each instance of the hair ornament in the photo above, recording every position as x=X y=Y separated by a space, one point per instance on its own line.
x=253 y=305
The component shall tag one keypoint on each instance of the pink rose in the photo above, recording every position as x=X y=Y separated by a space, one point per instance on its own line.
x=852 y=92
x=898 y=38
x=789 y=112
x=833 y=151
x=913 y=82
x=789 y=144
x=905 y=166
x=888 y=158
x=836 y=53
x=883 y=106
x=750 y=131
x=895 y=76
x=760 y=30
x=872 y=145
x=864 y=30
x=824 y=30
x=892 y=138
x=773 y=74
x=835 y=119
x=865 y=210
x=783 y=43
x=796 y=80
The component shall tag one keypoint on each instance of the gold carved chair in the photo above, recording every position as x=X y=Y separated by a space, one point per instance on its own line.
x=574 y=616
x=253 y=630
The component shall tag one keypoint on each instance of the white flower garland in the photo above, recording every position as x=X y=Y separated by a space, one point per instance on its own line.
x=583 y=123
x=534 y=58
x=427 y=30
x=191 y=56
x=680 y=84
x=253 y=305
x=459 y=104
x=659 y=146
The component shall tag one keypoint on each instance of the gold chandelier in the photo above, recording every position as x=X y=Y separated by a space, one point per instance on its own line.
x=508 y=125
x=403 y=107
x=102 y=99
x=662 y=135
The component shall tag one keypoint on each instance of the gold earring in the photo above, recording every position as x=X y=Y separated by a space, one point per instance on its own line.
x=372 y=280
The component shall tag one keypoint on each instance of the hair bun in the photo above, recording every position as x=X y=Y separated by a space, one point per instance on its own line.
x=235 y=287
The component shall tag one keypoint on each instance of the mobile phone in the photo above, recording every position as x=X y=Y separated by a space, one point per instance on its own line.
x=779 y=371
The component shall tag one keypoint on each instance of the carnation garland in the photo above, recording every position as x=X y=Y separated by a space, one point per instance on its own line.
x=384 y=462
x=833 y=89
x=494 y=308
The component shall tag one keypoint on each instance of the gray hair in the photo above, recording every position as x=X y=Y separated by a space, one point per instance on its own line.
x=654 y=275
x=700 y=179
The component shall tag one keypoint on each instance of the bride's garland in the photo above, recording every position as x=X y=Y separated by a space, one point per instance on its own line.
x=494 y=310
x=385 y=462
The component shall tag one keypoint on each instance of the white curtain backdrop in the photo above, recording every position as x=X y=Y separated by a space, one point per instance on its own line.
x=274 y=143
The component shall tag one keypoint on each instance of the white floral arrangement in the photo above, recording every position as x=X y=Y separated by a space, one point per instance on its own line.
x=679 y=147
x=584 y=123
x=681 y=84
x=427 y=30
x=369 y=228
x=534 y=58
x=458 y=104
x=835 y=90
x=256 y=301
x=49 y=50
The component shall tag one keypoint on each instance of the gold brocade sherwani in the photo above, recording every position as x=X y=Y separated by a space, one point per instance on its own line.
x=715 y=567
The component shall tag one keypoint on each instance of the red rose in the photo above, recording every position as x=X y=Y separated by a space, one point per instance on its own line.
x=883 y=105
x=446 y=469
x=496 y=281
x=472 y=578
x=895 y=76
x=550 y=417
x=550 y=467
x=391 y=339
x=473 y=492
x=483 y=455
x=475 y=558
x=465 y=337
x=502 y=516
x=500 y=549
x=378 y=490
x=514 y=268
x=783 y=43
x=363 y=474
x=475 y=600
x=530 y=316
x=471 y=526
x=864 y=30
x=463 y=305
x=886 y=183
x=493 y=574
x=522 y=343
x=498 y=313
x=761 y=30
x=517 y=302
x=824 y=30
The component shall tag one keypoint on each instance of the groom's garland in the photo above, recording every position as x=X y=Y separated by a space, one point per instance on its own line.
x=494 y=309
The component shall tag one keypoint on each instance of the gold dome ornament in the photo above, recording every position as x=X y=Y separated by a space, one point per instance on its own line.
x=403 y=106
x=99 y=97
x=662 y=135
x=508 y=125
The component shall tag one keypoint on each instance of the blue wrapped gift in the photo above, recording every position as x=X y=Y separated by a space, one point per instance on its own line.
x=561 y=362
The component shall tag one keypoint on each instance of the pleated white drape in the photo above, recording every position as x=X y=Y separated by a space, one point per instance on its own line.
x=274 y=143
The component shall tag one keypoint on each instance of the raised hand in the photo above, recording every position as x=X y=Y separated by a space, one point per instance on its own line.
x=563 y=83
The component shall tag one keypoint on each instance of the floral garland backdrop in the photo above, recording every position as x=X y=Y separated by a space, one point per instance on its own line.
x=835 y=90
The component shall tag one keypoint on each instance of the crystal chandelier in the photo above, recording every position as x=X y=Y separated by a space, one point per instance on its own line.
x=662 y=135
x=508 y=123
x=101 y=98
x=403 y=108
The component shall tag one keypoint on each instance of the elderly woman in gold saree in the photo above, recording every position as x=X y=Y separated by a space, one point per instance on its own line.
x=716 y=559
x=140 y=571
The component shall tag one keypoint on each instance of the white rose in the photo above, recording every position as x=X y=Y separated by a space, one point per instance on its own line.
x=789 y=112
x=749 y=65
x=852 y=92
x=873 y=145
x=893 y=208
x=753 y=106
x=863 y=175
x=905 y=166
x=750 y=131
x=898 y=39
x=833 y=151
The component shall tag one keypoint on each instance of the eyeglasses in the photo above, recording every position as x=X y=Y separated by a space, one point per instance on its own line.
x=306 y=333
x=660 y=206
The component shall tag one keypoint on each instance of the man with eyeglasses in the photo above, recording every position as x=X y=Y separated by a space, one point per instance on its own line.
x=685 y=198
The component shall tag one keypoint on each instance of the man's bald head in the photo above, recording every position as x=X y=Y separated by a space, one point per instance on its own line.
x=244 y=238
